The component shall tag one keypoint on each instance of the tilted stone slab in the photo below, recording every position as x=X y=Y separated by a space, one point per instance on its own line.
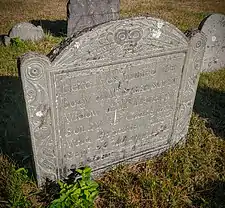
x=83 y=14
x=214 y=28
x=121 y=92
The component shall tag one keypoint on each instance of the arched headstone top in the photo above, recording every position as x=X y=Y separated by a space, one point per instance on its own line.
x=126 y=38
x=212 y=19
x=213 y=26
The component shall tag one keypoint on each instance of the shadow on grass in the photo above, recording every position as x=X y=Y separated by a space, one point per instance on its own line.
x=14 y=130
x=211 y=195
x=210 y=104
x=57 y=28
x=2 y=39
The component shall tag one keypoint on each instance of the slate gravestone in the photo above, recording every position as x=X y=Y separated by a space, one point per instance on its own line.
x=121 y=92
x=88 y=13
x=214 y=29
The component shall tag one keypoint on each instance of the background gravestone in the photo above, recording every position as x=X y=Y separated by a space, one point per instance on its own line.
x=214 y=28
x=25 y=31
x=88 y=13
x=121 y=92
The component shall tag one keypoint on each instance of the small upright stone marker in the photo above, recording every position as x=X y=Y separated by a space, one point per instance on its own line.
x=88 y=13
x=214 y=29
x=121 y=92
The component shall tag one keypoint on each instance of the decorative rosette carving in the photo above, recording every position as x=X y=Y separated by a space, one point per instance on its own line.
x=34 y=66
x=34 y=71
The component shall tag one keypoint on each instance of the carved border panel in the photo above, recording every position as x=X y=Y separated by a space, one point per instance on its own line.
x=191 y=72
x=34 y=75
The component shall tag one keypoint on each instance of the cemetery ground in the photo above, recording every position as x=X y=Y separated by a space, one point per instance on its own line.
x=189 y=175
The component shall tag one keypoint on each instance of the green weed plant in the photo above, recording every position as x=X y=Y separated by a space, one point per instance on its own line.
x=80 y=194
x=17 y=42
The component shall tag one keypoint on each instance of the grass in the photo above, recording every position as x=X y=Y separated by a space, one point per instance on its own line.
x=16 y=187
x=191 y=175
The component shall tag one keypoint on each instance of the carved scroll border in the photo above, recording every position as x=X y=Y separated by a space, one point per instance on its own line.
x=34 y=69
x=186 y=98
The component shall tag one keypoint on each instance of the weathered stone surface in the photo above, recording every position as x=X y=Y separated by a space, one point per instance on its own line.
x=122 y=92
x=25 y=31
x=88 y=13
x=214 y=28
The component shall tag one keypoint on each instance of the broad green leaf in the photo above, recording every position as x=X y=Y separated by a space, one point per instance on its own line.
x=79 y=171
x=87 y=170
x=87 y=193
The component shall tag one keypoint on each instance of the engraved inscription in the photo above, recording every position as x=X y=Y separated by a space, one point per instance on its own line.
x=114 y=112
